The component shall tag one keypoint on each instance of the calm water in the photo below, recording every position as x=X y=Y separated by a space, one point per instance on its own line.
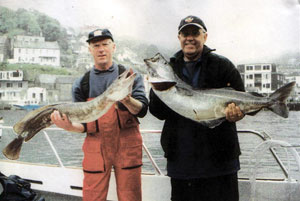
x=68 y=145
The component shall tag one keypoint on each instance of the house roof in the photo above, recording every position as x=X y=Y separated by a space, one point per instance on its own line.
x=65 y=80
x=55 y=79
x=46 y=79
x=36 y=45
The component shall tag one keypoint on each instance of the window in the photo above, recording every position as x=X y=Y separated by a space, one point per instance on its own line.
x=9 y=85
x=267 y=85
x=249 y=67
x=16 y=74
x=266 y=67
x=20 y=85
x=33 y=95
x=257 y=67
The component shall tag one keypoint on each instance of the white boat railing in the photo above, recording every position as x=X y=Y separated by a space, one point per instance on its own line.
x=262 y=135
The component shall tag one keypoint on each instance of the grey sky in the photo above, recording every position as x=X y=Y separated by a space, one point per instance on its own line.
x=242 y=30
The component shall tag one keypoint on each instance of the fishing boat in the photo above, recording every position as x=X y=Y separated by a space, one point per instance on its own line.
x=59 y=182
x=27 y=105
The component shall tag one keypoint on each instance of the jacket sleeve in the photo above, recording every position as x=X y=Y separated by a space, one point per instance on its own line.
x=231 y=76
x=138 y=92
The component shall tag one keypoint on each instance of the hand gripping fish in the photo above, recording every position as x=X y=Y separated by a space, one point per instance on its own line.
x=208 y=106
x=80 y=112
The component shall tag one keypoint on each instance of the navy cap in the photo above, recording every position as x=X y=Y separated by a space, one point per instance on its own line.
x=99 y=33
x=191 y=20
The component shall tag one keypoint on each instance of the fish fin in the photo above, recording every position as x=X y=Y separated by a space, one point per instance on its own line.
x=213 y=123
x=219 y=111
x=32 y=123
x=13 y=149
x=254 y=113
x=279 y=98
x=281 y=109
x=256 y=94
x=19 y=126
x=40 y=121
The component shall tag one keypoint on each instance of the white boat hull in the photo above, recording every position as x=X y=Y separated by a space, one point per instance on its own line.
x=68 y=181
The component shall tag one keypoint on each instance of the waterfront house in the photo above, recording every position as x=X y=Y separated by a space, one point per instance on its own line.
x=12 y=86
x=35 y=50
x=261 y=77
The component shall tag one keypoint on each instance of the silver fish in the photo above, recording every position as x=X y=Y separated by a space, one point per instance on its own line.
x=80 y=112
x=208 y=106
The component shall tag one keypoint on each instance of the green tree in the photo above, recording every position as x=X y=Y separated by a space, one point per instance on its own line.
x=27 y=21
x=7 y=20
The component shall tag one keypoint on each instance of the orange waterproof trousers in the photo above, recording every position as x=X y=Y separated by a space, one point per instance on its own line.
x=114 y=141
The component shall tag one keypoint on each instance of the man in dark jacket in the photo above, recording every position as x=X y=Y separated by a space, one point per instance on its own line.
x=202 y=162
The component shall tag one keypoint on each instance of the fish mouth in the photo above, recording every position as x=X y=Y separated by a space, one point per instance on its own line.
x=163 y=86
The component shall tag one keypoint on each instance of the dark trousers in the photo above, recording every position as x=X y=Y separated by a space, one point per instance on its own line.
x=222 y=188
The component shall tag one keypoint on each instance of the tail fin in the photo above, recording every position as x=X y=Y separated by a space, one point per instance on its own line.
x=279 y=98
x=12 y=150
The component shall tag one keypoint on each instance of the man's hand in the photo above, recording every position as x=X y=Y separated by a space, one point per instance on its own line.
x=133 y=105
x=233 y=113
x=61 y=121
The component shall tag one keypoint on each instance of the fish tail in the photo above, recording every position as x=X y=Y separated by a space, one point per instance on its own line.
x=279 y=98
x=13 y=149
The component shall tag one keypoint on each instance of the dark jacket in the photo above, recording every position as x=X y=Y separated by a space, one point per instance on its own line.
x=200 y=143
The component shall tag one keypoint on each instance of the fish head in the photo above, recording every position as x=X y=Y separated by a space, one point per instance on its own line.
x=121 y=87
x=159 y=70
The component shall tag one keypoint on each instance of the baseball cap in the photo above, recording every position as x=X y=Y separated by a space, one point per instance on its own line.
x=99 y=33
x=191 y=20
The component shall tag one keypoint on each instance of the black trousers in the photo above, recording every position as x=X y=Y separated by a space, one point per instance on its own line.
x=222 y=188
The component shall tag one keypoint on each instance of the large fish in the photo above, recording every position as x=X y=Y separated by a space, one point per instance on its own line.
x=80 y=112
x=208 y=106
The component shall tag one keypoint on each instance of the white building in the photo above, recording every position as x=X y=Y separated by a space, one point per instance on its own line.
x=35 y=95
x=261 y=77
x=12 y=86
x=34 y=49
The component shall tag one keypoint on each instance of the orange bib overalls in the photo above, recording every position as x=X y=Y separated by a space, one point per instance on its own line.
x=114 y=140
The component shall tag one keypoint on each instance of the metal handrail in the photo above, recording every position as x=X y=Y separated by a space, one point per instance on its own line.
x=262 y=135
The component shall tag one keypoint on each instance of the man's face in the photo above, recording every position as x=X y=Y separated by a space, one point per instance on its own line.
x=192 y=40
x=102 y=51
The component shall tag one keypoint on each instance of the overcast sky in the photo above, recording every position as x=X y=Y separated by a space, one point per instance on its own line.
x=242 y=30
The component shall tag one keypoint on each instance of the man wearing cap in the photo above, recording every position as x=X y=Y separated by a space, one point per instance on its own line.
x=202 y=162
x=114 y=140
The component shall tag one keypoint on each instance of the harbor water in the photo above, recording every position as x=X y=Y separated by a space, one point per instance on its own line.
x=68 y=145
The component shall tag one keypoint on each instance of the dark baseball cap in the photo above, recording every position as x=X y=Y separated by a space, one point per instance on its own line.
x=99 y=34
x=191 y=20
